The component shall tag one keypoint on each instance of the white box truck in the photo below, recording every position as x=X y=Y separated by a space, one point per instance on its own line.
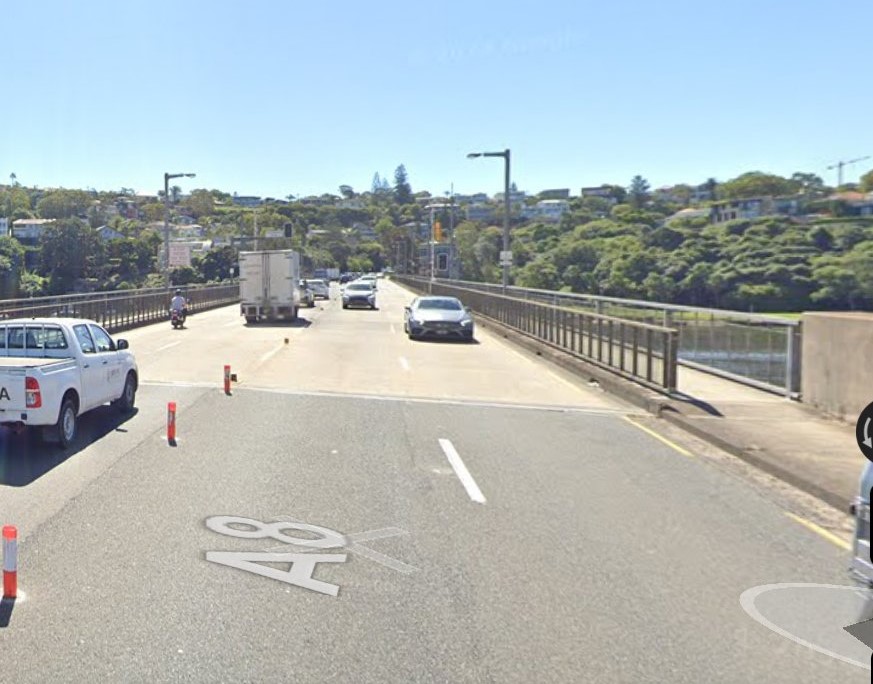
x=269 y=285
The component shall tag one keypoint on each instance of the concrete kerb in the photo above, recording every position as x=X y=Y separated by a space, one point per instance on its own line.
x=661 y=406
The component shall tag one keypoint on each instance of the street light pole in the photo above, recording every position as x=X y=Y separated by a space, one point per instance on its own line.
x=165 y=265
x=506 y=207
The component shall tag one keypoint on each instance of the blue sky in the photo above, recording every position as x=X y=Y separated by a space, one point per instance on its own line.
x=276 y=98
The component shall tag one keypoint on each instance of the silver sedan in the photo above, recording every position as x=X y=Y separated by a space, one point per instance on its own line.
x=438 y=317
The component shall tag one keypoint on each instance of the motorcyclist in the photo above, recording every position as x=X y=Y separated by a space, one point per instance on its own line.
x=179 y=304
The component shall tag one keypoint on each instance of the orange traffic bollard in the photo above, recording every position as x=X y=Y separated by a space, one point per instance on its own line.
x=10 y=562
x=227 y=379
x=171 y=422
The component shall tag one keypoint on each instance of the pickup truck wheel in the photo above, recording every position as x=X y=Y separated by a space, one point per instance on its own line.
x=127 y=399
x=67 y=423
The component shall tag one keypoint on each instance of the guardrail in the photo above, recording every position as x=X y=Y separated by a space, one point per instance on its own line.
x=639 y=351
x=123 y=309
x=754 y=349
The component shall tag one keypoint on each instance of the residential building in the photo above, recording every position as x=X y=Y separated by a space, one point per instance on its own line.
x=754 y=207
x=547 y=210
x=603 y=192
x=107 y=233
x=351 y=203
x=561 y=194
x=29 y=231
x=702 y=193
x=516 y=197
x=4 y=226
x=480 y=212
x=365 y=231
x=247 y=201
x=689 y=213
x=856 y=203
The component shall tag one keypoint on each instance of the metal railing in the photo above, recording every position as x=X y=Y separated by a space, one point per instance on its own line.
x=120 y=310
x=755 y=349
x=639 y=351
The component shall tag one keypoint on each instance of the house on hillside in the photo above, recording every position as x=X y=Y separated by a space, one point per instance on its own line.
x=689 y=214
x=559 y=194
x=107 y=233
x=480 y=212
x=755 y=207
x=550 y=210
x=29 y=231
x=854 y=203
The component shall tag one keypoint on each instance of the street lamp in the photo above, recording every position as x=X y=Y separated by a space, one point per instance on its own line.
x=505 y=256
x=167 y=178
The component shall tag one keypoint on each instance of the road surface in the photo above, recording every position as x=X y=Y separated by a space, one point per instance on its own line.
x=500 y=521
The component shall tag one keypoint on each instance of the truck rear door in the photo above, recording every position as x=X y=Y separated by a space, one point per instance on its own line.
x=13 y=399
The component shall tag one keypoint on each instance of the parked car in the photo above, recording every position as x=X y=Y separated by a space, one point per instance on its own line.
x=359 y=293
x=319 y=288
x=438 y=317
x=56 y=369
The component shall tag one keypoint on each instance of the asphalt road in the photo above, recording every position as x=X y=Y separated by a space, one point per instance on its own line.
x=500 y=521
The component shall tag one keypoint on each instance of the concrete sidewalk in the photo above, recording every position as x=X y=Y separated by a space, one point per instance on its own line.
x=782 y=437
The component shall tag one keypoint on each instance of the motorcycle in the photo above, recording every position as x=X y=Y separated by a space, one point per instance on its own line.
x=177 y=318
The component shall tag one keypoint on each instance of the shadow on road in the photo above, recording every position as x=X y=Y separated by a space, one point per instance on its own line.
x=698 y=403
x=299 y=323
x=24 y=458
x=444 y=340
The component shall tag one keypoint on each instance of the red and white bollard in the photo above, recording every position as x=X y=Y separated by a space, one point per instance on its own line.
x=171 y=422
x=227 y=379
x=10 y=562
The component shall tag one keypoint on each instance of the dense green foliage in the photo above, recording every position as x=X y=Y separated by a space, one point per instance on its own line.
x=626 y=243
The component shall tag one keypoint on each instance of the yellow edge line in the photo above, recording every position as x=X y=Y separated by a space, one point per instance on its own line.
x=666 y=441
x=822 y=532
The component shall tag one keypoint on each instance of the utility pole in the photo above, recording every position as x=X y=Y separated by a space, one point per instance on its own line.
x=432 y=255
x=839 y=167
x=452 y=273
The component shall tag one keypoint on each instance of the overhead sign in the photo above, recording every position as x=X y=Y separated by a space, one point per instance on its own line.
x=180 y=255
x=505 y=258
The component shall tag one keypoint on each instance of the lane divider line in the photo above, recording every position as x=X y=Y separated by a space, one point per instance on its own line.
x=404 y=363
x=461 y=471
x=821 y=532
x=660 y=438
x=167 y=346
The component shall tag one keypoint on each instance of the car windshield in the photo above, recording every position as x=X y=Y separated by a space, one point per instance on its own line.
x=359 y=287
x=444 y=304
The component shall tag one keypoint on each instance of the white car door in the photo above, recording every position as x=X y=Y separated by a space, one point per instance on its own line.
x=93 y=371
x=113 y=381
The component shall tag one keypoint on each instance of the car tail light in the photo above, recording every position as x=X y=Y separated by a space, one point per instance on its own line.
x=32 y=393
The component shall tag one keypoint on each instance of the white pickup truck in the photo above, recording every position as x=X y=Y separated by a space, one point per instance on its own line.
x=52 y=370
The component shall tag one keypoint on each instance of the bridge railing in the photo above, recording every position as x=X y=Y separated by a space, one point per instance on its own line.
x=755 y=349
x=120 y=310
x=640 y=351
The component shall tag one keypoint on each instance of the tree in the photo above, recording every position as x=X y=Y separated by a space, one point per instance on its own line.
x=184 y=275
x=756 y=184
x=70 y=251
x=63 y=204
x=808 y=183
x=866 y=183
x=402 y=189
x=216 y=264
x=11 y=266
x=346 y=191
x=200 y=203
x=638 y=193
x=175 y=193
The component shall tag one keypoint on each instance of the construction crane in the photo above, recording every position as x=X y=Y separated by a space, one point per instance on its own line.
x=839 y=166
